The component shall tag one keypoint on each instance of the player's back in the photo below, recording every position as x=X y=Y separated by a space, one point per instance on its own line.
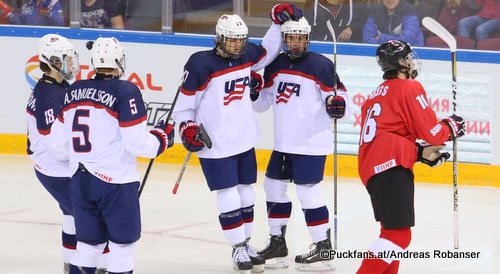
x=98 y=111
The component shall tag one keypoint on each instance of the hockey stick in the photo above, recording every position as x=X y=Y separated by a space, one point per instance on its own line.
x=332 y=32
x=202 y=136
x=148 y=169
x=442 y=33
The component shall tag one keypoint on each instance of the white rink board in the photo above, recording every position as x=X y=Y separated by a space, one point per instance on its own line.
x=157 y=68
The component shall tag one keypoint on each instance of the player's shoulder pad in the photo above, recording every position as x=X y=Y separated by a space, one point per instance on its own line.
x=198 y=60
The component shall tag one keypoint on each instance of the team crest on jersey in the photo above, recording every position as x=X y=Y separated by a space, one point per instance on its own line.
x=285 y=91
x=235 y=89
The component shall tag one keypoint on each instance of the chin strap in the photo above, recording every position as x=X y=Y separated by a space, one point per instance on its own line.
x=49 y=79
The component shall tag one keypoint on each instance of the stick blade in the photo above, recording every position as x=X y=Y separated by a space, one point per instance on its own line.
x=204 y=137
x=441 y=32
x=176 y=186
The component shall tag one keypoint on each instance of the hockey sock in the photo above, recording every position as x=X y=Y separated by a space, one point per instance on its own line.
x=232 y=227
x=390 y=240
x=278 y=203
x=68 y=238
x=247 y=197
x=278 y=215
x=247 y=216
x=103 y=259
x=317 y=223
x=315 y=211
x=393 y=268
x=73 y=269
x=231 y=221
x=121 y=257
x=86 y=256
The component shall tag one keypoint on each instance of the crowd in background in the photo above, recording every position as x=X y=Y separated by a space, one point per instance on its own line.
x=475 y=23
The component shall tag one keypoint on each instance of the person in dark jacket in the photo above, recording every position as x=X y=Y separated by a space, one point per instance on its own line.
x=393 y=20
x=346 y=16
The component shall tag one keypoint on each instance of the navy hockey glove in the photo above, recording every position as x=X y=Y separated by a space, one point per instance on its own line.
x=335 y=106
x=165 y=134
x=431 y=155
x=282 y=12
x=190 y=132
x=456 y=125
x=255 y=85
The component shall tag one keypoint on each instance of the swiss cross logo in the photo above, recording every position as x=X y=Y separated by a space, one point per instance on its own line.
x=285 y=91
x=235 y=89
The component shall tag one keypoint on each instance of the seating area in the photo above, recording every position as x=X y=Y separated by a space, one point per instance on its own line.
x=492 y=44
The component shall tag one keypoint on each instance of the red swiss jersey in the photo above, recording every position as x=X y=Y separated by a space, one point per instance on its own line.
x=393 y=117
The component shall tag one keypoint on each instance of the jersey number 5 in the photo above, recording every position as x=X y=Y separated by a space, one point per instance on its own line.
x=79 y=144
x=370 y=125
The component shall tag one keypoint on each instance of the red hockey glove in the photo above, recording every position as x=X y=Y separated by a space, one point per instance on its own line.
x=335 y=106
x=282 y=12
x=190 y=131
x=165 y=134
x=431 y=155
x=255 y=85
x=456 y=125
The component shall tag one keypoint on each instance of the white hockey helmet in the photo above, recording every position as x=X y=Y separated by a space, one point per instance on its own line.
x=230 y=26
x=296 y=27
x=107 y=52
x=59 y=54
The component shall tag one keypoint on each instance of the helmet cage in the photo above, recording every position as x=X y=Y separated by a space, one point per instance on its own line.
x=295 y=28
x=294 y=54
x=228 y=30
x=398 y=56
x=223 y=44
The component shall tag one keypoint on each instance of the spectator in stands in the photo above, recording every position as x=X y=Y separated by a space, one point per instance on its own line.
x=427 y=8
x=101 y=14
x=347 y=18
x=393 y=20
x=483 y=25
x=452 y=11
x=38 y=13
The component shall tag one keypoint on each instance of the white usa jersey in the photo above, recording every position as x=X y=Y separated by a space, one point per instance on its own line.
x=43 y=107
x=215 y=93
x=297 y=92
x=102 y=125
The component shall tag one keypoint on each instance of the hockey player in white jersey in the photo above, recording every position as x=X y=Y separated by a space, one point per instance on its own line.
x=102 y=126
x=300 y=86
x=59 y=63
x=215 y=93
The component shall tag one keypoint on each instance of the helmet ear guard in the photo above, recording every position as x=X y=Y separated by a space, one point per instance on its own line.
x=229 y=28
x=59 y=55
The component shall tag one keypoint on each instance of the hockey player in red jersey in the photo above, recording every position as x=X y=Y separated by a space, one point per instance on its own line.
x=300 y=87
x=394 y=116
x=215 y=93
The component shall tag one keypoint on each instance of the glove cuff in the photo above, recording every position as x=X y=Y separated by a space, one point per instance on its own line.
x=162 y=137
